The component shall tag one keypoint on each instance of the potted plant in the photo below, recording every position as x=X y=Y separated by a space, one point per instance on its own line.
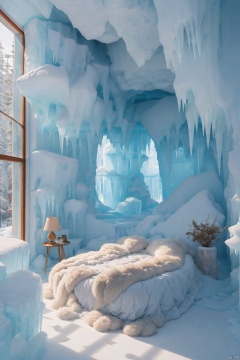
x=206 y=234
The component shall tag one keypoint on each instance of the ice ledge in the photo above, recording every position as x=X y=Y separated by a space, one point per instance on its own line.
x=14 y=254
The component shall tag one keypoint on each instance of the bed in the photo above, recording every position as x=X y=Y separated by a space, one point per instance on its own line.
x=130 y=284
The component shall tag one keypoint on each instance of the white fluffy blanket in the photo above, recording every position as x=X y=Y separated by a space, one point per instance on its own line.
x=167 y=255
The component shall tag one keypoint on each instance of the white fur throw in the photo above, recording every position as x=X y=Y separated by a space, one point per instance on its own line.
x=167 y=255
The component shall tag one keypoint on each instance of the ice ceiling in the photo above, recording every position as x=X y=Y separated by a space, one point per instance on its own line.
x=165 y=70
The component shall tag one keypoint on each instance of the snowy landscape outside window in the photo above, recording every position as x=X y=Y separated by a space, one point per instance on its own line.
x=12 y=127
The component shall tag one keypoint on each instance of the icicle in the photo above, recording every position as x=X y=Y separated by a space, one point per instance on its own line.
x=75 y=209
x=97 y=116
x=192 y=120
x=54 y=42
x=188 y=33
x=218 y=132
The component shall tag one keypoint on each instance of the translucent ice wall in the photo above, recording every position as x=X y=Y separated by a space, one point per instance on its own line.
x=191 y=35
x=201 y=45
x=120 y=165
x=62 y=89
x=171 y=65
x=74 y=97
x=124 y=70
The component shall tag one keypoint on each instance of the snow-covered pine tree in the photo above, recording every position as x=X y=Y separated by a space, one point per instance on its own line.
x=9 y=66
x=6 y=83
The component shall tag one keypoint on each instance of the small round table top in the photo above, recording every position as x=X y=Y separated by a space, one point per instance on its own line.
x=54 y=244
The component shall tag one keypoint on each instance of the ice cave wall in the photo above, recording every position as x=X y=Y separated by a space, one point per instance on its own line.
x=73 y=99
x=134 y=59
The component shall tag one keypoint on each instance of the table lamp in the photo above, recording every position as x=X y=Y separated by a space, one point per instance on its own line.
x=51 y=225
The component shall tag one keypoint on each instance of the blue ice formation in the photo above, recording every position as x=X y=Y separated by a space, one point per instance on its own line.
x=70 y=123
x=145 y=71
x=21 y=306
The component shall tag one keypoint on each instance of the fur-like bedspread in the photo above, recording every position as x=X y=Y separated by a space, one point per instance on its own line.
x=167 y=255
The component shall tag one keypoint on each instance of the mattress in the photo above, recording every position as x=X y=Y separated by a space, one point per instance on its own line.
x=170 y=294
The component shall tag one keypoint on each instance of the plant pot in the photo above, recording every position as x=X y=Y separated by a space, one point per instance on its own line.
x=207 y=260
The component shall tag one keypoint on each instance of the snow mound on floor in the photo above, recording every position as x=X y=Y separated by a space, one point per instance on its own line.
x=200 y=208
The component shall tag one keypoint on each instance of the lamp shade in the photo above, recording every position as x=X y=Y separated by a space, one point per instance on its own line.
x=52 y=224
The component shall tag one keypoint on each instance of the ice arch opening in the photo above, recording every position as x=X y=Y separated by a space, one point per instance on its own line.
x=127 y=174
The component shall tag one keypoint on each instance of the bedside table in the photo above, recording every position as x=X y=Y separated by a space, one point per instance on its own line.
x=61 y=253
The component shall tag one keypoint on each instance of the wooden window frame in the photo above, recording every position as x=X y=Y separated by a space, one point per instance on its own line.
x=6 y=21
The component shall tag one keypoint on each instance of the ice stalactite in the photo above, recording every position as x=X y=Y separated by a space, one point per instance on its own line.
x=97 y=116
x=75 y=210
x=110 y=115
x=120 y=99
x=191 y=49
x=62 y=123
x=54 y=177
x=192 y=120
x=104 y=78
x=83 y=95
x=35 y=37
x=188 y=26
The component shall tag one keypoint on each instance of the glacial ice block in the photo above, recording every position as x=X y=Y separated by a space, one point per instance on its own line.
x=14 y=254
x=50 y=169
x=19 y=348
x=53 y=176
x=21 y=295
x=5 y=337
x=130 y=206
x=48 y=84
x=76 y=209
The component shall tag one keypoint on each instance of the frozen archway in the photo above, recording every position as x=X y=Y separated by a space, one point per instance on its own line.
x=150 y=170
x=127 y=176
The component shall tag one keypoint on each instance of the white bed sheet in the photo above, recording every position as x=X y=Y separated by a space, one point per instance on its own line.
x=170 y=294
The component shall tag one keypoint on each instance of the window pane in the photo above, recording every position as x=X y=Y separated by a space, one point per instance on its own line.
x=16 y=199
x=11 y=129
x=10 y=198
x=10 y=137
x=5 y=194
x=17 y=96
x=10 y=70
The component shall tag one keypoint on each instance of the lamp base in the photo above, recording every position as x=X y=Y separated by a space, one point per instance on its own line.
x=51 y=236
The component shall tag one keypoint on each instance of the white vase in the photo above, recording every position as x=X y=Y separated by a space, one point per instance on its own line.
x=207 y=260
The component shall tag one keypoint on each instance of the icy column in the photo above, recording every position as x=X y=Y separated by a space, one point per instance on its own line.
x=75 y=211
x=22 y=304
x=14 y=254
x=54 y=179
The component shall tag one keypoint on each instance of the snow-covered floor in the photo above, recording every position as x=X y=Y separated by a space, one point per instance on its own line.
x=200 y=334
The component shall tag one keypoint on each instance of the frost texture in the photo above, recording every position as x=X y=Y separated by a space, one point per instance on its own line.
x=169 y=68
